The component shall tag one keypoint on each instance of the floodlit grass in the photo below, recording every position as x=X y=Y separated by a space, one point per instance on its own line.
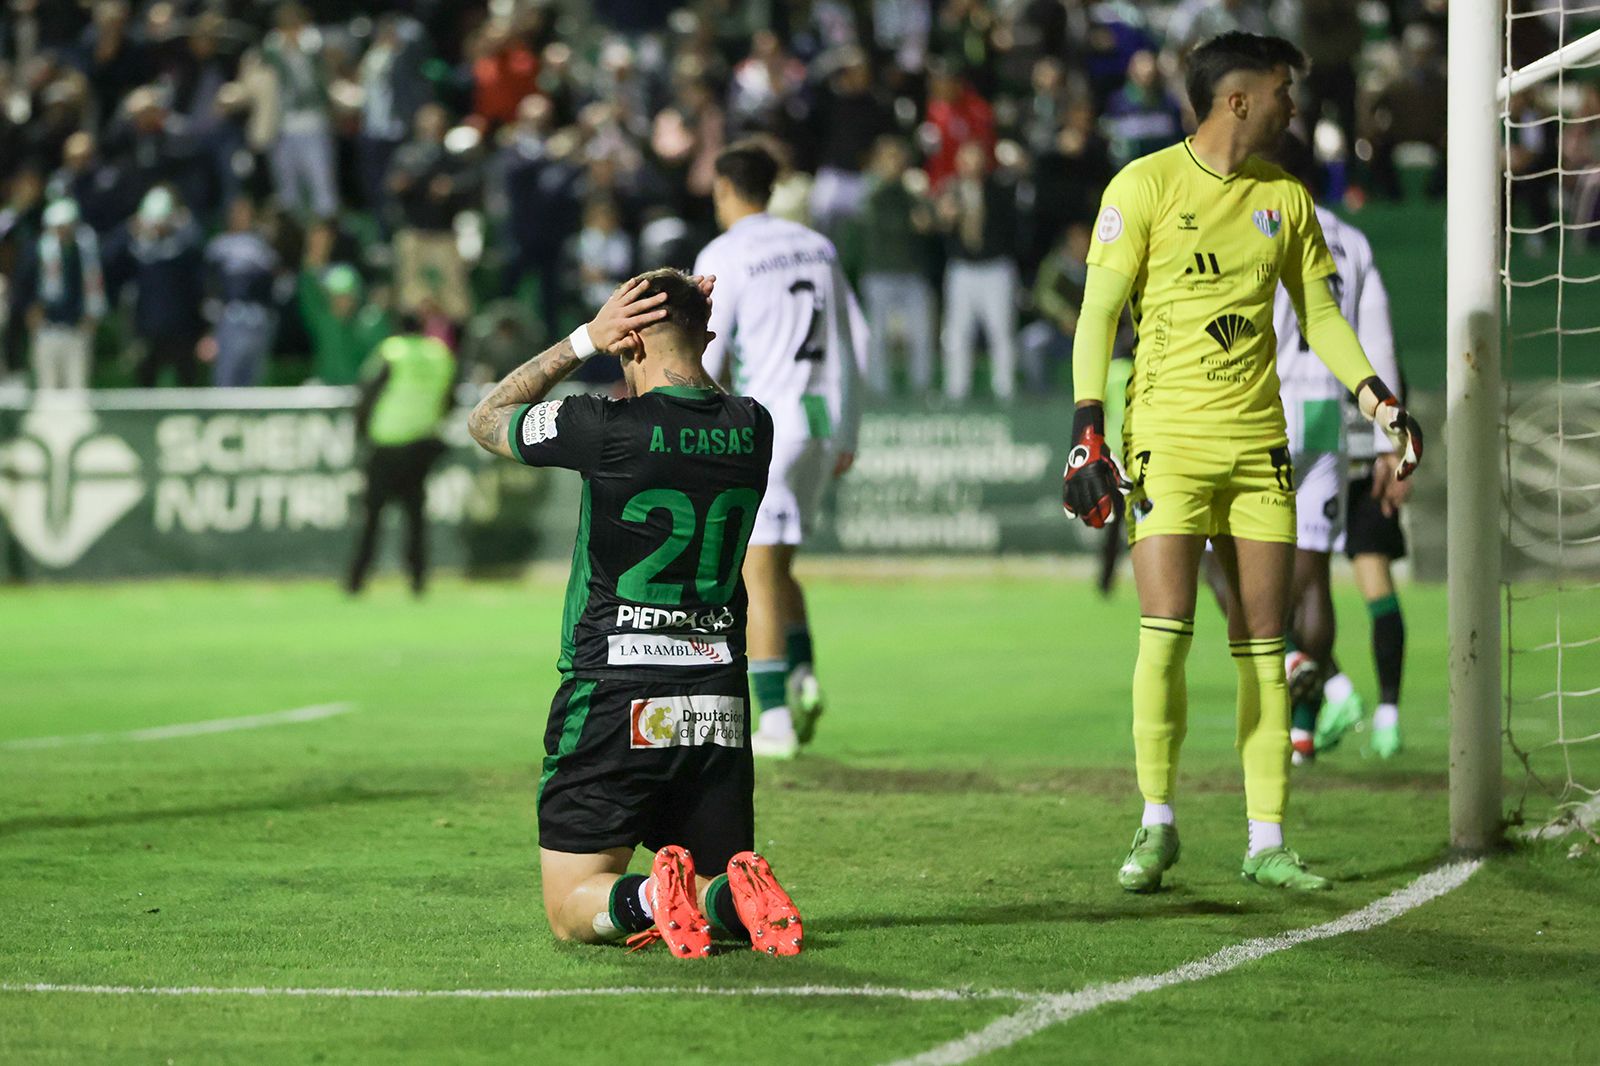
x=958 y=825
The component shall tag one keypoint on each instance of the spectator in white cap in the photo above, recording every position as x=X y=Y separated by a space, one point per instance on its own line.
x=164 y=261
x=59 y=282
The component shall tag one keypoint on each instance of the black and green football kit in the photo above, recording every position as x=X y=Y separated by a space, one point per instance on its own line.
x=648 y=740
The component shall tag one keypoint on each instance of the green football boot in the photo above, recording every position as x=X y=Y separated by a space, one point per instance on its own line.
x=1336 y=719
x=805 y=703
x=1280 y=867
x=1154 y=852
x=1385 y=742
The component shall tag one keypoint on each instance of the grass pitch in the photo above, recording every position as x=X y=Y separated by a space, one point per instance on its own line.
x=957 y=826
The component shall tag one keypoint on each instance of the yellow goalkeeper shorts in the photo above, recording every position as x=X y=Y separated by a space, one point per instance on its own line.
x=1207 y=487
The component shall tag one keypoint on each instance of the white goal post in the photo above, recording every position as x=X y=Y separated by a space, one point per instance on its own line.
x=1472 y=429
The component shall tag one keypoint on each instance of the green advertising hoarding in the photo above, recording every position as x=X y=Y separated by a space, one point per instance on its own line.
x=269 y=481
x=211 y=482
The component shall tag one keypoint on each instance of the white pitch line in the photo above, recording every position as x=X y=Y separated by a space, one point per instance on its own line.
x=185 y=729
x=1051 y=1010
x=941 y=995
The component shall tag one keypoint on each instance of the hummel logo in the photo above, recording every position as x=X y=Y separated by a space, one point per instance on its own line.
x=62 y=485
x=1186 y=220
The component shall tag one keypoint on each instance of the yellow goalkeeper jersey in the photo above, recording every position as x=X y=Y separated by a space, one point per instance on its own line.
x=1206 y=252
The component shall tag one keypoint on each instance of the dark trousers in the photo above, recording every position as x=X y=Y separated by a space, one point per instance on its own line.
x=396 y=473
x=176 y=352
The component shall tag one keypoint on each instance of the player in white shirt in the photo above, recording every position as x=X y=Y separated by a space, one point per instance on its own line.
x=1314 y=404
x=783 y=334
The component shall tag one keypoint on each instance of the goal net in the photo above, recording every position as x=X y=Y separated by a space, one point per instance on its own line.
x=1550 y=280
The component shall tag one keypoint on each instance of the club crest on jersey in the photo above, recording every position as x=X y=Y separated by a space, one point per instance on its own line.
x=1269 y=222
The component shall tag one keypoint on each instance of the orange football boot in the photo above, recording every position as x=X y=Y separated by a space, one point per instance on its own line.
x=672 y=901
x=764 y=907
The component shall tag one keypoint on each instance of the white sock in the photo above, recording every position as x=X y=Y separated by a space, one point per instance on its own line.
x=1338 y=688
x=644 y=899
x=1264 y=835
x=1157 y=814
x=776 y=720
x=1387 y=716
x=1297 y=736
x=604 y=929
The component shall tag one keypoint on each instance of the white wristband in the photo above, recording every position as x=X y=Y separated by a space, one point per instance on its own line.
x=582 y=345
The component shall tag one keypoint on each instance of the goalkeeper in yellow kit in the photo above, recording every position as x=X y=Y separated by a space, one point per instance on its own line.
x=1196 y=238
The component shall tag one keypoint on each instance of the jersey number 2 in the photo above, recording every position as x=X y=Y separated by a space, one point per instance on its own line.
x=815 y=346
x=714 y=582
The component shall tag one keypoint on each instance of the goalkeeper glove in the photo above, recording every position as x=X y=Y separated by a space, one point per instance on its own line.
x=1379 y=404
x=1091 y=486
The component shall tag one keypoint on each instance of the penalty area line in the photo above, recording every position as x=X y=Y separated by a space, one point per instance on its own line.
x=938 y=995
x=1046 y=1011
x=185 y=729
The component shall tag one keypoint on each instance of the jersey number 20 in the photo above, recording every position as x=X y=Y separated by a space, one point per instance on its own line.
x=714 y=581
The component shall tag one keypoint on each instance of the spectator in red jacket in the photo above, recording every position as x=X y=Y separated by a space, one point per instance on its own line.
x=957 y=115
x=505 y=71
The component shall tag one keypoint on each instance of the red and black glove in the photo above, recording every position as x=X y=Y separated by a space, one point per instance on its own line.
x=1091 y=486
x=1379 y=404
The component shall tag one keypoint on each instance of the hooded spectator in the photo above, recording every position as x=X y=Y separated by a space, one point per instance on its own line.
x=164 y=261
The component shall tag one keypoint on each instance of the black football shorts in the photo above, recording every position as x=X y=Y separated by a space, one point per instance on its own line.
x=646 y=762
x=1368 y=531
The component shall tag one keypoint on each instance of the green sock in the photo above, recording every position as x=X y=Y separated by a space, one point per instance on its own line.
x=797 y=646
x=767 y=678
x=720 y=909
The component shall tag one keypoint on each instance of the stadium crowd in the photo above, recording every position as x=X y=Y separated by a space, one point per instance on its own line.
x=240 y=192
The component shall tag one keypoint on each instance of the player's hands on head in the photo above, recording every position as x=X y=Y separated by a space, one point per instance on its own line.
x=1379 y=404
x=628 y=311
x=1092 y=486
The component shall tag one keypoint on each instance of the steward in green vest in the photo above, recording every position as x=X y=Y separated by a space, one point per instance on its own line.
x=406 y=389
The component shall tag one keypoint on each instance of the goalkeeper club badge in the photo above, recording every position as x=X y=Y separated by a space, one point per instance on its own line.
x=539 y=424
x=1109 y=228
x=1268 y=222
x=687 y=722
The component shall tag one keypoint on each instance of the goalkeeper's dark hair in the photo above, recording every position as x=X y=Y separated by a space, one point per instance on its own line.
x=750 y=168
x=1211 y=61
x=688 y=309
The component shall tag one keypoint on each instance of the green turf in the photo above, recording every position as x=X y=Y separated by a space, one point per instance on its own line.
x=958 y=825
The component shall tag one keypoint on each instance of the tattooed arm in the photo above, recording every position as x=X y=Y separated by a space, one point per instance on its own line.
x=490 y=421
x=613 y=327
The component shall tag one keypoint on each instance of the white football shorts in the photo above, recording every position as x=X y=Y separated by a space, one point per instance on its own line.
x=795 y=483
x=1319 y=500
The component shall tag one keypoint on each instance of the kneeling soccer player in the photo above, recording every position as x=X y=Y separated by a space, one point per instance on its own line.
x=649 y=734
x=1196 y=238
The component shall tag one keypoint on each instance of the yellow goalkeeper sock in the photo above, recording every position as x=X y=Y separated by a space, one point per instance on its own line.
x=1263 y=739
x=1160 y=703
